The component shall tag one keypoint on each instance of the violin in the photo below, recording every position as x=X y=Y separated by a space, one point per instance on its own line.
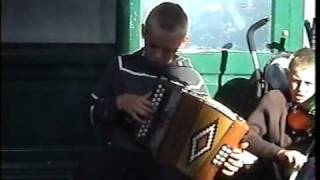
x=300 y=123
x=300 y=120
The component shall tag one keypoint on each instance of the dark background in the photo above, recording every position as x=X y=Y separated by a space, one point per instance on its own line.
x=58 y=21
x=52 y=53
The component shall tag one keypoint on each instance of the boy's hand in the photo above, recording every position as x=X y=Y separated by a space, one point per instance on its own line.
x=139 y=107
x=292 y=158
x=237 y=159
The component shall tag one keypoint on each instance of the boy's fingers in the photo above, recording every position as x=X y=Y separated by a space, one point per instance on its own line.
x=148 y=95
x=135 y=116
x=227 y=172
x=231 y=167
x=244 y=145
x=236 y=163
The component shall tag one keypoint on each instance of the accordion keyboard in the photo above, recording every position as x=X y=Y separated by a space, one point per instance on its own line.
x=156 y=100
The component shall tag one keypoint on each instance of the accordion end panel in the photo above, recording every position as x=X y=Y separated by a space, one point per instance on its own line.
x=210 y=127
x=195 y=137
x=231 y=139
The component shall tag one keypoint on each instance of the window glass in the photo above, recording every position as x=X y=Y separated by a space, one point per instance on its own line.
x=214 y=23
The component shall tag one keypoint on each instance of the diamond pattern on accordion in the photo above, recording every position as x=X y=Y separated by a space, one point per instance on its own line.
x=222 y=155
x=208 y=133
x=156 y=99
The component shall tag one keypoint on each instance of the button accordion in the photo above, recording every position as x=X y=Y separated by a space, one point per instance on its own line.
x=189 y=132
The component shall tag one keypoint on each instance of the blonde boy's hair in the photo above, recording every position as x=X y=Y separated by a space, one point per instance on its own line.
x=169 y=17
x=302 y=59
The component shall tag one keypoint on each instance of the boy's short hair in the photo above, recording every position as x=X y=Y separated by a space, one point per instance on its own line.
x=170 y=17
x=303 y=58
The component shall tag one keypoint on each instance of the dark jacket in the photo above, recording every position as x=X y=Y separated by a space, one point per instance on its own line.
x=134 y=74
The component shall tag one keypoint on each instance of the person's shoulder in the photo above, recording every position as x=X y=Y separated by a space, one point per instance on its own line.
x=184 y=71
x=121 y=61
x=275 y=96
x=275 y=93
x=125 y=58
x=130 y=60
x=130 y=56
x=182 y=61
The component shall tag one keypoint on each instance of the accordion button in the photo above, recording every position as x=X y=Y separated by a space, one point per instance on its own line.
x=163 y=90
x=224 y=147
x=159 y=85
x=222 y=159
x=228 y=151
x=158 y=99
x=215 y=161
x=155 y=95
x=153 y=99
x=158 y=90
x=221 y=153
x=161 y=95
x=156 y=104
x=218 y=156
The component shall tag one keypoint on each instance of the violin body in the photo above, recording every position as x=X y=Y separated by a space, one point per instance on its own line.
x=300 y=123
x=300 y=120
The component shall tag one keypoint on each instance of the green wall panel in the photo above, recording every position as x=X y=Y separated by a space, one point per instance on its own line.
x=237 y=63
x=128 y=25
x=288 y=15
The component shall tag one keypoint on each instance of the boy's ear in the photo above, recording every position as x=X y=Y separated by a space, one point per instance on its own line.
x=143 y=31
x=184 y=42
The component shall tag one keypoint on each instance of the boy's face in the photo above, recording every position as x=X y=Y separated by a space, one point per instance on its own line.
x=302 y=83
x=160 y=45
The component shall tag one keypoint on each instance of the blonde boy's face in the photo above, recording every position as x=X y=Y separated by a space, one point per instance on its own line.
x=302 y=83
